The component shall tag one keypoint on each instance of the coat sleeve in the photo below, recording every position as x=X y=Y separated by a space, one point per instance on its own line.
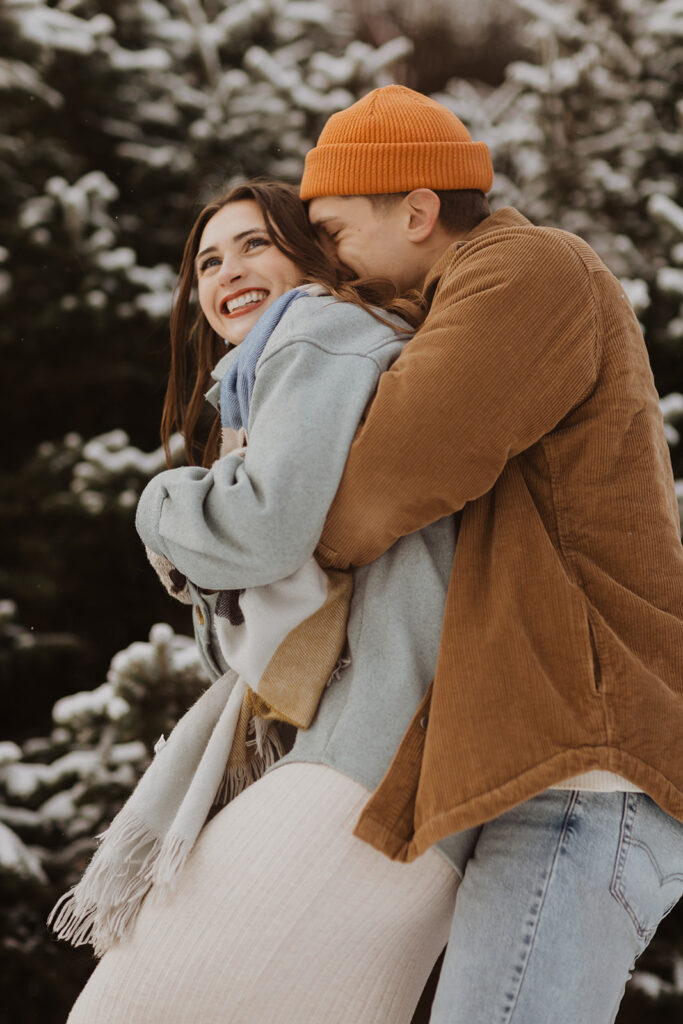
x=255 y=518
x=508 y=349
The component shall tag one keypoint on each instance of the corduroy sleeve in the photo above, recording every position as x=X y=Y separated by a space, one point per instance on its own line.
x=509 y=348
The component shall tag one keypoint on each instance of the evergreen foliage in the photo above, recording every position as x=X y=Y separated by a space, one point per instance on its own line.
x=586 y=135
x=118 y=118
x=59 y=791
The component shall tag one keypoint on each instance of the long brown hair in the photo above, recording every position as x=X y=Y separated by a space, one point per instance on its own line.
x=195 y=346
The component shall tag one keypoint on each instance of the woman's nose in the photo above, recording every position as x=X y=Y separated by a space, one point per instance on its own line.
x=231 y=270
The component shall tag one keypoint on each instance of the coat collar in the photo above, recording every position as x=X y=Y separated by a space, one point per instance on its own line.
x=506 y=217
x=221 y=368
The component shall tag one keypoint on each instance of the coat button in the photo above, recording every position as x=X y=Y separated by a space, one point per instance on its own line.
x=423 y=721
x=200 y=615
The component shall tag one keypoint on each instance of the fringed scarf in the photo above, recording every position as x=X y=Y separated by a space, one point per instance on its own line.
x=283 y=642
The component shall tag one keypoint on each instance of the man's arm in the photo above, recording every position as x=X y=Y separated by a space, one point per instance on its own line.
x=508 y=349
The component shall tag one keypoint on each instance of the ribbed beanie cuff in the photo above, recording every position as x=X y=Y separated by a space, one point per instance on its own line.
x=394 y=140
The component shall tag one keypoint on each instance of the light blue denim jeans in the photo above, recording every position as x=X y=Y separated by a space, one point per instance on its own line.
x=558 y=898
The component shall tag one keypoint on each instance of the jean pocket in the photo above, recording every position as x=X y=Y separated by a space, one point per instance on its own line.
x=648 y=873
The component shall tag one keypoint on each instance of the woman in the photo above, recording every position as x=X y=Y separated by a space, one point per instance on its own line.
x=280 y=913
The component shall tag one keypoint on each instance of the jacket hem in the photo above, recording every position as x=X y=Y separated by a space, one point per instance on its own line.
x=371 y=827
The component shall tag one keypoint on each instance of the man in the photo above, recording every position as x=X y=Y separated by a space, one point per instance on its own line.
x=554 y=723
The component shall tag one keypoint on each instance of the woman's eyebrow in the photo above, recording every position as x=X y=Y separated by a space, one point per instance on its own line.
x=236 y=238
x=211 y=248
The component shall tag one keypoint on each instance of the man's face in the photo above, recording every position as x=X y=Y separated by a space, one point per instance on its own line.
x=369 y=239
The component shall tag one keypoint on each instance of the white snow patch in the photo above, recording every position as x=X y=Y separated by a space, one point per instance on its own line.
x=663 y=209
x=678 y=484
x=14 y=74
x=671 y=406
x=59 y=30
x=9 y=753
x=17 y=859
x=670 y=281
x=82 y=707
x=161 y=634
x=156 y=307
x=8 y=610
x=672 y=410
x=127 y=753
x=109 y=456
x=152 y=59
x=21 y=818
x=92 y=502
x=116 y=259
x=637 y=293
x=23 y=780
x=157 y=156
x=128 y=499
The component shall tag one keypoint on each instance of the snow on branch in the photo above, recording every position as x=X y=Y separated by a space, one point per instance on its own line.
x=664 y=210
x=58 y=30
x=14 y=74
x=57 y=792
x=106 y=473
x=672 y=410
x=17 y=859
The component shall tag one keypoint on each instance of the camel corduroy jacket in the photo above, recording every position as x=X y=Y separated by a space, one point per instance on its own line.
x=527 y=404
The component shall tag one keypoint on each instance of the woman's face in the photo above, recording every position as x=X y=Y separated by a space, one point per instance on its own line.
x=239 y=270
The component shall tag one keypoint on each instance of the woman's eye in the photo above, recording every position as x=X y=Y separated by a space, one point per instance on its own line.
x=210 y=261
x=253 y=243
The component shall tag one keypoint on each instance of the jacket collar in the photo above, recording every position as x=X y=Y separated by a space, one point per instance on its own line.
x=506 y=217
x=219 y=370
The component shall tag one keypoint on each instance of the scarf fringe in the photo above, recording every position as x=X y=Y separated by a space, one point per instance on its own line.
x=237 y=777
x=342 y=663
x=171 y=861
x=102 y=906
x=131 y=859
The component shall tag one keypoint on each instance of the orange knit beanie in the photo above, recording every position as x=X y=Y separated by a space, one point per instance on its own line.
x=394 y=140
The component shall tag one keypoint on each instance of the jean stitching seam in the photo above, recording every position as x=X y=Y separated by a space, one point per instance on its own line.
x=507 y=1018
x=617 y=889
x=627 y=843
x=675 y=876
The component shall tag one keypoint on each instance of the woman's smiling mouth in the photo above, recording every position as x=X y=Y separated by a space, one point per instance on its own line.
x=243 y=302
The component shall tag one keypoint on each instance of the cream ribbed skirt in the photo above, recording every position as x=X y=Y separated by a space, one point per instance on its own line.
x=281 y=916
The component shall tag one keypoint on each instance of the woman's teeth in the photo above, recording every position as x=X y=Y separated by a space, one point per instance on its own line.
x=245 y=299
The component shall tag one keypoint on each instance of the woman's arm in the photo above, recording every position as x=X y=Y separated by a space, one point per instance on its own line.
x=255 y=518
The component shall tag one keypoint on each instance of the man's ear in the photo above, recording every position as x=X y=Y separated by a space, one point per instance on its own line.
x=422 y=207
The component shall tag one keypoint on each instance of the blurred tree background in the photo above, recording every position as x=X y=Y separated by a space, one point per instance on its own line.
x=118 y=118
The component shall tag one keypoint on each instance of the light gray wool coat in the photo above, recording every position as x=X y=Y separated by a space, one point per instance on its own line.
x=253 y=519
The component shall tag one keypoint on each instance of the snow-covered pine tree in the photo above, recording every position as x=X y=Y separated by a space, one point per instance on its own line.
x=588 y=137
x=117 y=119
x=119 y=116
x=57 y=792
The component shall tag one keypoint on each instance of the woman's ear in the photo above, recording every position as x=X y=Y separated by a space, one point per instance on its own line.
x=422 y=207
